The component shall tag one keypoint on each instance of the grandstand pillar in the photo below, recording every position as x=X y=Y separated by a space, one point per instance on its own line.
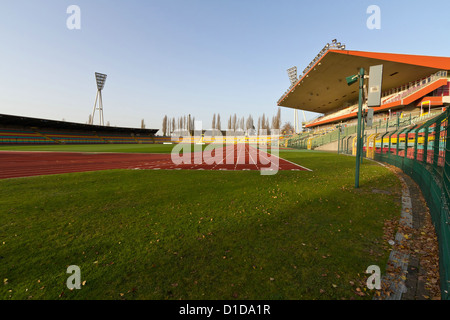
x=436 y=146
x=296 y=129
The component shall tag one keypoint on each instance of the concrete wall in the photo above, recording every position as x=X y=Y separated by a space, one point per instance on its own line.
x=333 y=146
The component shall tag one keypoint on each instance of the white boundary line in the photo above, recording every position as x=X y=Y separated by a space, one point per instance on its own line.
x=285 y=160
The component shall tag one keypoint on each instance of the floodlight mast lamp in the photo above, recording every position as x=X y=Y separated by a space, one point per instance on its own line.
x=292 y=74
x=101 y=79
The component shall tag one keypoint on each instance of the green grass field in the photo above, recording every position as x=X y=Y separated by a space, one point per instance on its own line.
x=196 y=234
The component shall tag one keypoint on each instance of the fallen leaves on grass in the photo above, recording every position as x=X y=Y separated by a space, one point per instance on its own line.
x=420 y=243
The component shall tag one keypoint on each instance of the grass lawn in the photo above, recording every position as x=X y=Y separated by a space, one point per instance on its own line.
x=197 y=234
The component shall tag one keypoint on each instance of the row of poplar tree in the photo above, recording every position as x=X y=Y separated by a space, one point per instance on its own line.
x=235 y=123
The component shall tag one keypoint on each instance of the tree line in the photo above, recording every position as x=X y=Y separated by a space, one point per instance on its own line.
x=234 y=123
x=170 y=125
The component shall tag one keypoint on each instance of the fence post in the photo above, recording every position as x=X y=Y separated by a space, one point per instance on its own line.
x=382 y=145
x=390 y=145
x=416 y=138
x=445 y=283
x=363 y=128
x=406 y=142
x=437 y=136
x=425 y=145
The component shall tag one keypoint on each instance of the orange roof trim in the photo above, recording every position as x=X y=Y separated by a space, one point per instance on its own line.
x=418 y=60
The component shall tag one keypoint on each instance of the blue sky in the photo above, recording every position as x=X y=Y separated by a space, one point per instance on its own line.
x=180 y=57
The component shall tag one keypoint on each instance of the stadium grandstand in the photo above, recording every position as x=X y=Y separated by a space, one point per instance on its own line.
x=18 y=130
x=415 y=88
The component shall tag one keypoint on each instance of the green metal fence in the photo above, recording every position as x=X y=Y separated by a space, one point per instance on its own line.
x=423 y=152
x=421 y=148
x=301 y=141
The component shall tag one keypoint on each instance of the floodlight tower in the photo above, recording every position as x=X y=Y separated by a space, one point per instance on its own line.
x=292 y=73
x=101 y=79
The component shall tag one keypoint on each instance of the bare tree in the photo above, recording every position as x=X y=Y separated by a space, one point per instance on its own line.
x=164 y=126
x=259 y=125
x=218 y=124
x=287 y=128
x=234 y=122
x=277 y=120
x=213 y=126
x=167 y=124
x=249 y=124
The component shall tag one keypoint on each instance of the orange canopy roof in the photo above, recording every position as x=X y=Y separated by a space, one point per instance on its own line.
x=323 y=88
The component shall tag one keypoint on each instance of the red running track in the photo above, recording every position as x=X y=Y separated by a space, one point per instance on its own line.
x=14 y=164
